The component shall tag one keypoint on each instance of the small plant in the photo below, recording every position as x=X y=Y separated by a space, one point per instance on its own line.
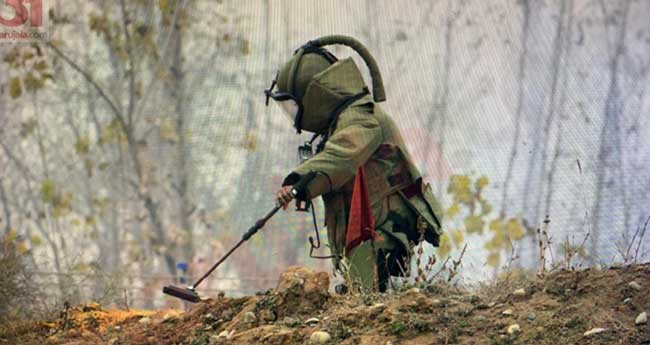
x=544 y=242
x=572 y=251
x=422 y=326
x=630 y=253
x=397 y=328
x=469 y=214
x=339 y=330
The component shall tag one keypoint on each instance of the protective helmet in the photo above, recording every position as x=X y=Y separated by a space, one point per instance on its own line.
x=309 y=61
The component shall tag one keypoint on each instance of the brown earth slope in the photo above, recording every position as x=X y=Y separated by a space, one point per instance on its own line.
x=556 y=310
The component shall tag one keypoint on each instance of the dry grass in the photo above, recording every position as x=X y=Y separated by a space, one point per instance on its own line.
x=16 y=294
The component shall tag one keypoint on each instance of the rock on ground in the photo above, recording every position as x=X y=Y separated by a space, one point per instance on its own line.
x=594 y=331
x=320 y=337
x=301 y=290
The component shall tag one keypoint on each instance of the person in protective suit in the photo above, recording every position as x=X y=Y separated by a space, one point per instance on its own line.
x=376 y=205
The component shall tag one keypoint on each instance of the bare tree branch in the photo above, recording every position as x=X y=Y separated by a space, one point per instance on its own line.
x=116 y=111
x=130 y=63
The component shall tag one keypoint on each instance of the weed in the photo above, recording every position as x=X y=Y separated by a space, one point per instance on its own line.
x=397 y=328
x=339 y=330
x=422 y=326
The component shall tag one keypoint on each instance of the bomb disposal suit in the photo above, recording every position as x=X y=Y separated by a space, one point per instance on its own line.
x=376 y=205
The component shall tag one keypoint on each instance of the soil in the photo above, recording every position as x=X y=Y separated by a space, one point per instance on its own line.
x=558 y=309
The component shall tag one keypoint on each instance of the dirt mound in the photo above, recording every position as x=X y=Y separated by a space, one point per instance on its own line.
x=559 y=309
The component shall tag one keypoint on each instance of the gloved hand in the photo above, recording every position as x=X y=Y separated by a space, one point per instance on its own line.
x=283 y=197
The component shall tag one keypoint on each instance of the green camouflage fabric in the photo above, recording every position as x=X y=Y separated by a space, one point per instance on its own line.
x=363 y=135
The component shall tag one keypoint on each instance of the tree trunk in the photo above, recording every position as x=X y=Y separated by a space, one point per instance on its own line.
x=182 y=149
x=553 y=105
x=609 y=154
x=5 y=208
x=521 y=78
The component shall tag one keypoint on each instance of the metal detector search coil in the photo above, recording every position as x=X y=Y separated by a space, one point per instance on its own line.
x=189 y=294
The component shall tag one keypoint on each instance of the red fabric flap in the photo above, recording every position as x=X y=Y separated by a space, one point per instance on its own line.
x=361 y=224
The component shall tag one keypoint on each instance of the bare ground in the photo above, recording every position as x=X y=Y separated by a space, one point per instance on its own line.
x=556 y=310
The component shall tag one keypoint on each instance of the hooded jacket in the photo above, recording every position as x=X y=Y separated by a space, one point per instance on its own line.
x=361 y=134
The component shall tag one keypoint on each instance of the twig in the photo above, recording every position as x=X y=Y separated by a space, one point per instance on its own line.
x=65 y=315
x=542 y=254
x=638 y=246
x=571 y=251
x=513 y=254
x=89 y=79
x=418 y=261
x=547 y=221
x=442 y=269
x=453 y=271
x=126 y=300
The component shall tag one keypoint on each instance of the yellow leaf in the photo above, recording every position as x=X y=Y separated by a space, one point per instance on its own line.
x=36 y=240
x=251 y=141
x=22 y=248
x=445 y=246
x=28 y=55
x=62 y=205
x=164 y=5
x=498 y=241
x=168 y=130
x=111 y=133
x=32 y=82
x=515 y=231
x=57 y=43
x=486 y=208
x=457 y=183
x=453 y=210
x=15 y=88
x=459 y=186
x=81 y=267
x=246 y=47
x=40 y=66
x=491 y=245
x=458 y=237
x=481 y=182
x=496 y=226
x=474 y=224
x=82 y=146
x=11 y=236
x=494 y=259
x=48 y=191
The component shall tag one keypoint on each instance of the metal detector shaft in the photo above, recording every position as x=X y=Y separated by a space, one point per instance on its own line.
x=248 y=234
x=258 y=225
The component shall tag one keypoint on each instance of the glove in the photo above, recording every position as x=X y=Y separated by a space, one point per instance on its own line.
x=284 y=196
x=294 y=181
